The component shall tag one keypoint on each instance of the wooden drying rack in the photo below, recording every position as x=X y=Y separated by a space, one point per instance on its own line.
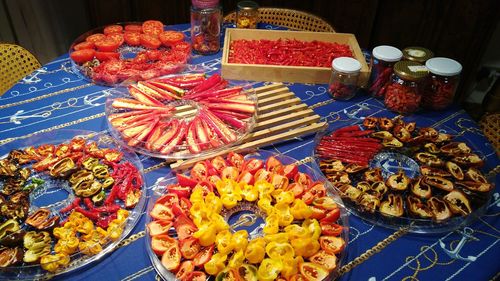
x=281 y=116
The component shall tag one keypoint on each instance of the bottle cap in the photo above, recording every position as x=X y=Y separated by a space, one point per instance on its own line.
x=346 y=65
x=444 y=66
x=387 y=53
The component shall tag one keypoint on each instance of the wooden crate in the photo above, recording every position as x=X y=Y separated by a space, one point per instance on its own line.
x=281 y=116
x=274 y=73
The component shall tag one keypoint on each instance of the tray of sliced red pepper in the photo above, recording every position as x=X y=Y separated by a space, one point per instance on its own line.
x=393 y=173
x=129 y=52
x=66 y=199
x=258 y=216
x=181 y=116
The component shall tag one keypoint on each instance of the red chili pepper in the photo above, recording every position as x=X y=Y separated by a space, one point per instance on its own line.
x=71 y=206
x=402 y=99
x=94 y=216
x=103 y=222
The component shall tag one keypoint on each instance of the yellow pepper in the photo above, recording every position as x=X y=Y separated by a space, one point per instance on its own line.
x=76 y=216
x=278 y=237
x=205 y=234
x=300 y=210
x=230 y=200
x=240 y=240
x=200 y=213
x=227 y=186
x=115 y=230
x=52 y=263
x=272 y=224
x=64 y=232
x=296 y=231
x=284 y=197
x=98 y=235
x=122 y=215
x=269 y=269
x=285 y=217
x=196 y=195
x=215 y=264
x=280 y=250
x=219 y=222
x=249 y=192
x=224 y=242
x=84 y=226
x=214 y=202
x=312 y=225
x=305 y=247
x=236 y=260
x=67 y=245
x=89 y=247
x=264 y=188
x=255 y=251
x=291 y=266
x=265 y=205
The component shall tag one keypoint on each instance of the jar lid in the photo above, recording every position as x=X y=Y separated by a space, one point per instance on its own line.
x=387 y=53
x=247 y=5
x=418 y=54
x=444 y=66
x=346 y=65
x=410 y=70
x=205 y=4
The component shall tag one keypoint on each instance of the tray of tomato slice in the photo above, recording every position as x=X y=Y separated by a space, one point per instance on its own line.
x=129 y=52
x=253 y=216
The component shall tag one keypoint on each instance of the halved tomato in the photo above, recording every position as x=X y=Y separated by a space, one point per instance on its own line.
x=230 y=172
x=189 y=247
x=324 y=259
x=171 y=259
x=203 y=256
x=312 y=271
x=82 y=56
x=161 y=243
x=158 y=227
x=235 y=159
x=317 y=189
x=197 y=276
x=253 y=165
x=332 y=244
x=84 y=45
x=107 y=44
x=171 y=38
x=328 y=228
x=153 y=27
x=132 y=38
x=111 y=29
x=184 y=270
x=296 y=188
x=133 y=27
x=118 y=37
x=161 y=212
x=95 y=37
x=199 y=171
x=104 y=56
x=273 y=164
x=181 y=191
x=168 y=200
x=184 y=47
x=149 y=41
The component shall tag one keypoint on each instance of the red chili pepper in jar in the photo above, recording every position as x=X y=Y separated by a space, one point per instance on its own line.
x=442 y=84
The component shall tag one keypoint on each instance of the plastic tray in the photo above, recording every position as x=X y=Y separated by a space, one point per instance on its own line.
x=56 y=194
x=233 y=214
x=185 y=110
x=411 y=168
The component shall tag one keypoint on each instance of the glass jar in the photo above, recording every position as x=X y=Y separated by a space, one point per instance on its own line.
x=404 y=92
x=417 y=54
x=205 y=4
x=442 y=83
x=247 y=14
x=206 y=25
x=344 y=78
x=382 y=62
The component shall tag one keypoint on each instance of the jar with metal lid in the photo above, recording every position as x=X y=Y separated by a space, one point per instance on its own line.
x=442 y=83
x=382 y=62
x=417 y=54
x=206 y=26
x=205 y=4
x=404 y=92
x=344 y=78
x=247 y=15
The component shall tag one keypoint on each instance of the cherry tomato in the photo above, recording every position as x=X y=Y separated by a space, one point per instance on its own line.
x=253 y=165
x=107 y=44
x=168 y=200
x=95 y=37
x=152 y=27
x=132 y=38
x=184 y=180
x=149 y=41
x=325 y=203
x=235 y=159
x=161 y=212
x=331 y=229
x=332 y=216
x=171 y=38
x=218 y=163
x=189 y=247
x=104 y=56
x=230 y=173
x=184 y=270
x=184 y=227
x=332 y=244
x=203 y=256
x=196 y=276
x=303 y=178
x=161 y=243
x=290 y=170
x=312 y=271
x=317 y=213
x=82 y=56
x=111 y=29
x=133 y=28
x=171 y=259
x=84 y=45
x=296 y=188
x=273 y=164
x=262 y=174
x=158 y=227
x=199 y=171
x=181 y=191
x=184 y=47
x=118 y=37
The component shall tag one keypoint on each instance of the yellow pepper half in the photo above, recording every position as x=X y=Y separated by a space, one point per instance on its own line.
x=236 y=260
x=300 y=210
x=255 y=251
x=305 y=247
x=52 y=263
x=264 y=188
x=312 y=225
x=272 y=224
x=215 y=264
x=90 y=248
x=214 y=202
x=224 y=242
x=114 y=230
x=280 y=250
x=285 y=217
x=291 y=266
x=249 y=192
x=240 y=240
x=67 y=245
x=205 y=234
x=280 y=237
x=284 y=197
x=296 y=231
x=269 y=269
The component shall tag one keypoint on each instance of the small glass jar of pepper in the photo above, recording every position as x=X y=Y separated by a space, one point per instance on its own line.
x=206 y=25
x=247 y=15
x=404 y=92
x=344 y=78
x=382 y=62
x=417 y=54
x=442 y=83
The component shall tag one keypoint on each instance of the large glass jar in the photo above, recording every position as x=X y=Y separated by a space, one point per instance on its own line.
x=442 y=83
x=382 y=62
x=206 y=27
x=247 y=15
x=417 y=54
x=404 y=92
x=344 y=78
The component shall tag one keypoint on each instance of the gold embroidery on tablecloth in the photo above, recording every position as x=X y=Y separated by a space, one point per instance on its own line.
x=322 y=103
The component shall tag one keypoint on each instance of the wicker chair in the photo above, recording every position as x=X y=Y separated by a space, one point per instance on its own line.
x=15 y=63
x=490 y=124
x=293 y=19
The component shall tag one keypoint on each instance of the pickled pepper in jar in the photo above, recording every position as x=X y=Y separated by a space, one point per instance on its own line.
x=383 y=60
x=206 y=26
x=442 y=83
x=344 y=78
x=247 y=14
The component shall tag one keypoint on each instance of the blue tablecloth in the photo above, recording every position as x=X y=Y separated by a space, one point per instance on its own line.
x=53 y=98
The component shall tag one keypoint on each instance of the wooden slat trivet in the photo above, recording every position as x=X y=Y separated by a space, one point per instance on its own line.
x=281 y=116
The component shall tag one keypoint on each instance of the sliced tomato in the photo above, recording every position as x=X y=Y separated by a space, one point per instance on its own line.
x=273 y=164
x=171 y=259
x=161 y=212
x=331 y=229
x=317 y=213
x=184 y=47
x=158 y=227
x=235 y=159
x=324 y=259
x=111 y=29
x=253 y=165
x=95 y=37
x=199 y=171
x=332 y=244
x=246 y=177
x=168 y=200
x=197 y=276
x=104 y=56
x=218 y=163
x=184 y=227
x=152 y=27
x=174 y=57
x=82 y=56
x=161 y=243
x=181 y=191
x=303 y=178
x=290 y=170
x=84 y=45
x=230 y=172
x=184 y=180
x=149 y=41
x=296 y=188
x=317 y=189
x=332 y=216
x=107 y=44
x=189 y=247
x=184 y=270
x=262 y=174
x=312 y=271
x=325 y=203
x=171 y=38
x=133 y=28
x=203 y=256
x=132 y=38
x=153 y=54
x=118 y=37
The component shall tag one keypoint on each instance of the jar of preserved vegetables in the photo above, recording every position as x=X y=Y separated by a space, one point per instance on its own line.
x=206 y=25
x=404 y=92
x=417 y=54
x=344 y=78
x=247 y=15
x=382 y=62
x=442 y=83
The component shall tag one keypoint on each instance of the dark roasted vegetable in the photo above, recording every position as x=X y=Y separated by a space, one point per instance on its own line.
x=421 y=189
x=398 y=181
x=458 y=202
x=393 y=206
x=417 y=208
x=438 y=182
x=439 y=208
